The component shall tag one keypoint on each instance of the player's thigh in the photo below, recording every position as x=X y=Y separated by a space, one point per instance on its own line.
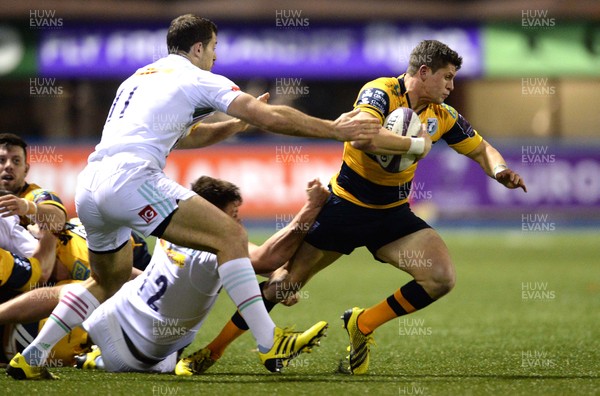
x=109 y=271
x=423 y=254
x=200 y=225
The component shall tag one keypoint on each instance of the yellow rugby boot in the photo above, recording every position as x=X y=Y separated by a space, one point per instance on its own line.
x=358 y=360
x=288 y=344
x=197 y=363
x=19 y=369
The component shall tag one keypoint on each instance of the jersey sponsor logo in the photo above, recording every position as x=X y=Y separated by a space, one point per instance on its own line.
x=146 y=72
x=80 y=271
x=147 y=213
x=175 y=257
x=450 y=110
x=432 y=126
x=376 y=98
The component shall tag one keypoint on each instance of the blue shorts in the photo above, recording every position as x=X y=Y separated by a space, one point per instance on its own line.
x=343 y=226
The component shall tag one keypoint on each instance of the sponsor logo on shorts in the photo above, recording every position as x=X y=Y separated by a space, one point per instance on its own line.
x=147 y=214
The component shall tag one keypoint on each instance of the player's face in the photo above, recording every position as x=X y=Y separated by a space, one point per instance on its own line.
x=13 y=168
x=208 y=56
x=438 y=85
x=232 y=210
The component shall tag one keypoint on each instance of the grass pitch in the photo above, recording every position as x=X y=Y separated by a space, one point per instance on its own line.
x=523 y=319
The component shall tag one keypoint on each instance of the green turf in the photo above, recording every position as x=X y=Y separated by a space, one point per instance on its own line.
x=490 y=336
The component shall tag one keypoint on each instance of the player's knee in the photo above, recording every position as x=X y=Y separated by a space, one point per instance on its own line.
x=442 y=281
x=236 y=237
x=110 y=280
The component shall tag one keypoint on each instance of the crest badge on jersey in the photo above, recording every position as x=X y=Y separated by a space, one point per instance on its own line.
x=147 y=213
x=432 y=126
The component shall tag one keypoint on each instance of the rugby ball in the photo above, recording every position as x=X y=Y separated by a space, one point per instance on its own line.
x=404 y=122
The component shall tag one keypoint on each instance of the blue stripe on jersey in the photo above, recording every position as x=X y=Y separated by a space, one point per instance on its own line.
x=157 y=199
x=21 y=273
x=369 y=192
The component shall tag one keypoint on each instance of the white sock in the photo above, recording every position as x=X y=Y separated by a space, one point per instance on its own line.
x=76 y=305
x=239 y=280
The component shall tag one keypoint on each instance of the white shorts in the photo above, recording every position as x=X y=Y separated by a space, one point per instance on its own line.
x=105 y=331
x=121 y=193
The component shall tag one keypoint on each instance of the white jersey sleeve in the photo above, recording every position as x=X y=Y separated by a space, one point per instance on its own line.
x=15 y=238
x=156 y=107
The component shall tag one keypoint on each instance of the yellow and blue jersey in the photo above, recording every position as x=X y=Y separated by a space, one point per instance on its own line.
x=71 y=250
x=365 y=181
x=18 y=273
x=40 y=196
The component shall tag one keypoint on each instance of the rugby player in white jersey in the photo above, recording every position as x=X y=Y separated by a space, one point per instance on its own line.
x=123 y=187
x=141 y=328
x=24 y=261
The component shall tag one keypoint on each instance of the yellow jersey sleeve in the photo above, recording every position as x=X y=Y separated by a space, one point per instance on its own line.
x=456 y=130
x=41 y=196
x=19 y=273
x=379 y=97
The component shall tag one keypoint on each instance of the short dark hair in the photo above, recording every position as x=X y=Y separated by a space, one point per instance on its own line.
x=433 y=54
x=216 y=191
x=186 y=30
x=9 y=140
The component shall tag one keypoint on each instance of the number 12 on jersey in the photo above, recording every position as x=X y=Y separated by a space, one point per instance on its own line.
x=152 y=299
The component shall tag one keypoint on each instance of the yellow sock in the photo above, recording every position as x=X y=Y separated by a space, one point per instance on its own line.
x=227 y=335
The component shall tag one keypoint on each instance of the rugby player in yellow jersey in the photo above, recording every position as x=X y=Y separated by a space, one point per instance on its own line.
x=369 y=201
x=32 y=203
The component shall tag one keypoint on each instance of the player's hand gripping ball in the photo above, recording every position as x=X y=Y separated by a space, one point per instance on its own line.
x=404 y=122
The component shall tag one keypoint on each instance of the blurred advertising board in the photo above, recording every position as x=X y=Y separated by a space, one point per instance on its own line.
x=537 y=44
x=273 y=177
x=256 y=51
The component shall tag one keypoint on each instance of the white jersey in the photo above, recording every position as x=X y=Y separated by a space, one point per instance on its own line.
x=15 y=238
x=163 y=308
x=156 y=107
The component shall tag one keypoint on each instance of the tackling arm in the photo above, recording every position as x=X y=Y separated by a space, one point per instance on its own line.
x=204 y=135
x=32 y=306
x=288 y=121
x=280 y=247
x=36 y=304
x=494 y=165
x=48 y=216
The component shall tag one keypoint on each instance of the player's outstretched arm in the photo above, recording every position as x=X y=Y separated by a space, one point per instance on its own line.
x=50 y=217
x=288 y=121
x=280 y=247
x=32 y=306
x=494 y=165
x=206 y=134
x=46 y=255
